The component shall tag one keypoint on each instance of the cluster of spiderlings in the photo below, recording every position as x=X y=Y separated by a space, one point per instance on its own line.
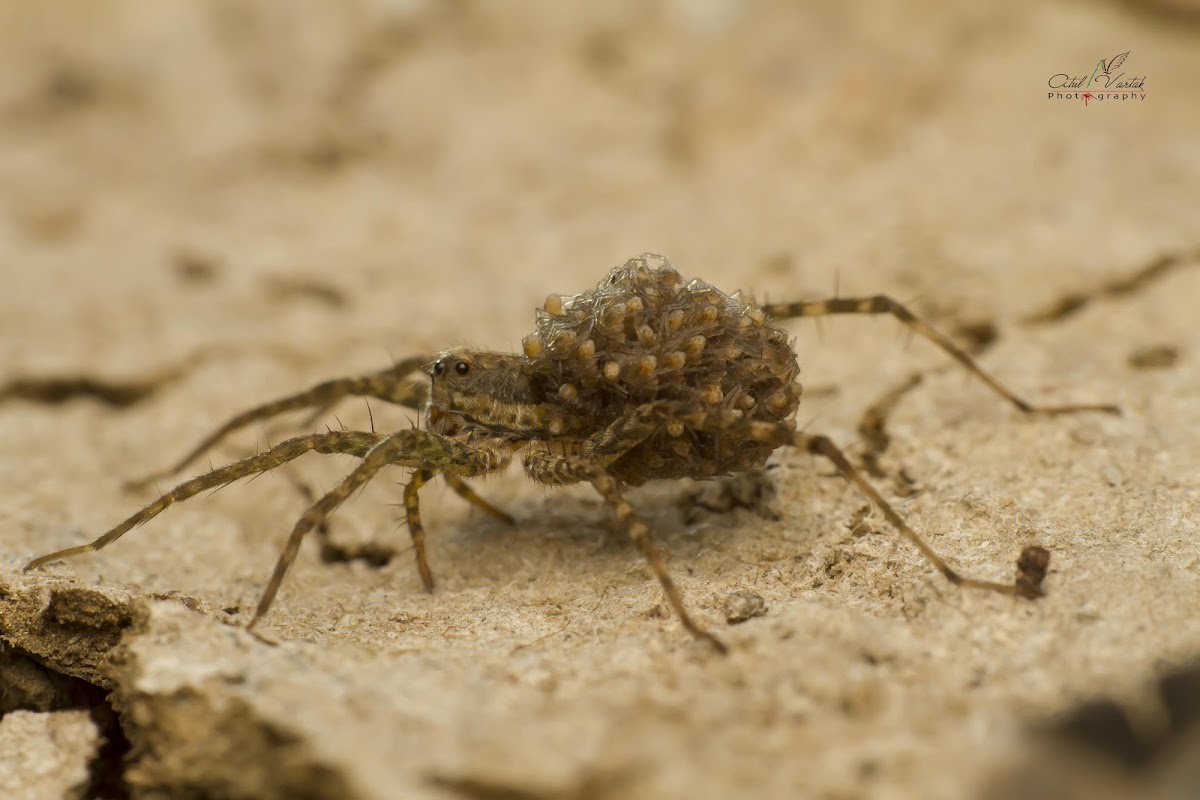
x=644 y=334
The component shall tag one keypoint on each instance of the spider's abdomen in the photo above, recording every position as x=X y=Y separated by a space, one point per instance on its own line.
x=644 y=334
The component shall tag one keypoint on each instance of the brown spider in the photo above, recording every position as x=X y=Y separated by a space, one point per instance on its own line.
x=645 y=377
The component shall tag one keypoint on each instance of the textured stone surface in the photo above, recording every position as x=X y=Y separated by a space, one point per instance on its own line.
x=210 y=205
x=46 y=755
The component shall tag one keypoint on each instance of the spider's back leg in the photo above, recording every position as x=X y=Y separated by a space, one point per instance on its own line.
x=471 y=496
x=561 y=470
x=882 y=304
x=730 y=424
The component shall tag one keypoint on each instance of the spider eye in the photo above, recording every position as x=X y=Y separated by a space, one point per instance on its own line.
x=462 y=367
x=438 y=367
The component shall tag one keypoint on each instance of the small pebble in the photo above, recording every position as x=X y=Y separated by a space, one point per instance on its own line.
x=742 y=605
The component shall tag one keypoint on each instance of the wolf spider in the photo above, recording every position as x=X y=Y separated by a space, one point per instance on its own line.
x=645 y=377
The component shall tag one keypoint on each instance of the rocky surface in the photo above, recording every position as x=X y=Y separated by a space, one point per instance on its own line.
x=206 y=206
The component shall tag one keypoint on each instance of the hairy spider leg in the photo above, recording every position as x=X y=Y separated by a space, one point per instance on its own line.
x=873 y=425
x=387 y=385
x=598 y=452
x=467 y=493
x=412 y=515
x=882 y=304
x=559 y=470
x=781 y=435
x=355 y=443
x=422 y=451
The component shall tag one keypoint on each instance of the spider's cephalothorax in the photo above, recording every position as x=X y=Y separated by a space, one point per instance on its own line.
x=646 y=376
x=486 y=394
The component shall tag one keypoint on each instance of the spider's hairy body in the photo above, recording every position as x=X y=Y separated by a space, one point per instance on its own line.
x=645 y=377
x=642 y=336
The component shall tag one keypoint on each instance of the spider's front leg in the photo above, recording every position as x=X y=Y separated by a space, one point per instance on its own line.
x=412 y=512
x=561 y=470
x=355 y=443
x=427 y=454
x=388 y=385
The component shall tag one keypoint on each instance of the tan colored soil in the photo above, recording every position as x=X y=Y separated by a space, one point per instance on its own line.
x=204 y=206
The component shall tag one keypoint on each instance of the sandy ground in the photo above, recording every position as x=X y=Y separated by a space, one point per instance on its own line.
x=204 y=206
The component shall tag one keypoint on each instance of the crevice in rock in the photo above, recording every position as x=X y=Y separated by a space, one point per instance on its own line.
x=374 y=554
x=107 y=768
x=1145 y=751
x=1071 y=303
x=26 y=684
x=286 y=289
x=124 y=393
x=56 y=390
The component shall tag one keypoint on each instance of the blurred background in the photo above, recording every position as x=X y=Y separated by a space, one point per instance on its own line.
x=209 y=171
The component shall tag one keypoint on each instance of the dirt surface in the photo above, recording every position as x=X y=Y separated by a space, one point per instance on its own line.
x=52 y=750
x=204 y=206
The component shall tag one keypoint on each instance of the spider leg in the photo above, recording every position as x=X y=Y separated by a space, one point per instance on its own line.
x=467 y=493
x=425 y=452
x=412 y=513
x=356 y=443
x=387 y=385
x=882 y=304
x=560 y=470
x=780 y=435
x=873 y=425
